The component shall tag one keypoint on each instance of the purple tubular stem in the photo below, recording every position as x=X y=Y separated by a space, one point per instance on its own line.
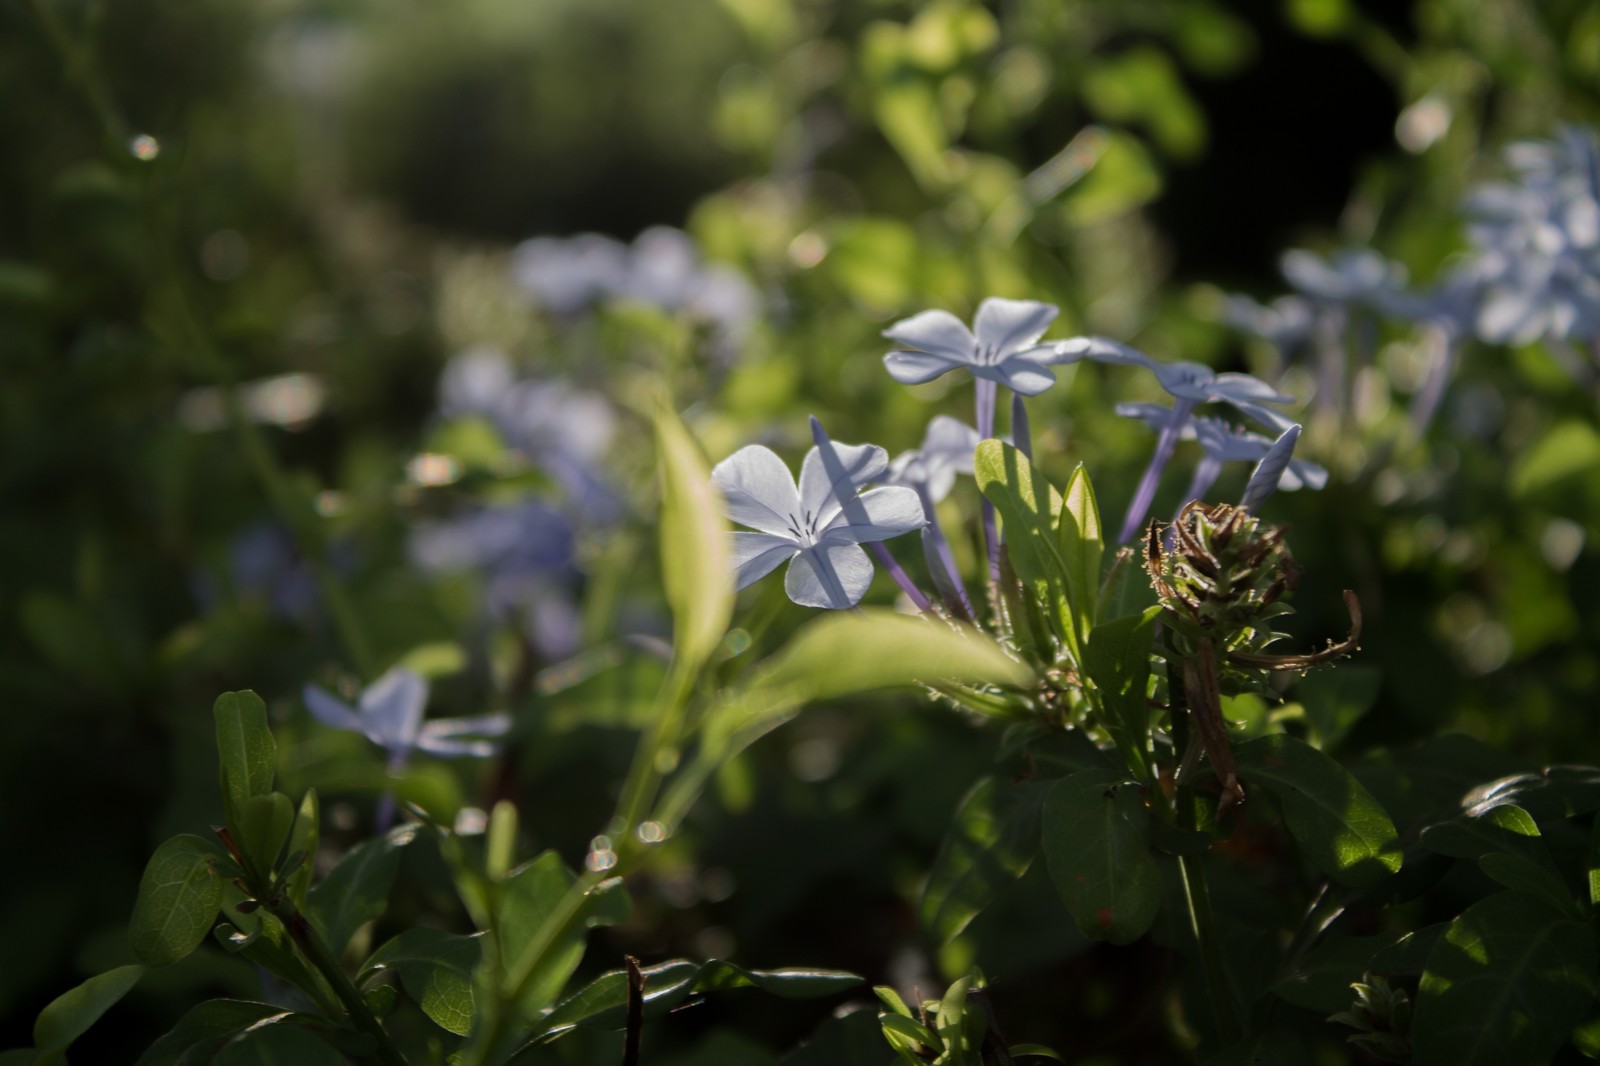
x=983 y=392
x=1205 y=475
x=901 y=578
x=1145 y=494
x=1021 y=436
x=946 y=558
x=1441 y=367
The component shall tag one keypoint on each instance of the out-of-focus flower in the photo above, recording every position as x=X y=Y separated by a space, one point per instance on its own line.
x=819 y=523
x=947 y=450
x=1537 y=243
x=389 y=712
x=1223 y=442
x=1003 y=347
x=1353 y=276
x=1285 y=323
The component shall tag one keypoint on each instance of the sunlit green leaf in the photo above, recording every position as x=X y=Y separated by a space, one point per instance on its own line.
x=1082 y=549
x=435 y=967
x=1096 y=834
x=1028 y=506
x=1506 y=983
x=178 y=900
x=1341 y=829
x=695 y=553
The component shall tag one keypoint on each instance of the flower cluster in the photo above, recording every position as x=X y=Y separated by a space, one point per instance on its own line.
x=819 y=524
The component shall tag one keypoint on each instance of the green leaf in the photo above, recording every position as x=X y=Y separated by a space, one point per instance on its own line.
x=1122 y=177
x=357 y=890
x=1568 y=450
x=1082 y=548
x=204 y=1029
x=178 y=899
x=281 y=1043
x=304 y=841
x=1320 y=979
x=1017 y=1051
x=530 y=896
x=1117 y=658
x=70 y=1014
x=842 y=653
x=1275 y=1047
x=1096 y=834
x=1408 y=956
x=245 y=749
x=912 y=1036
x=991 y=843
x=1342 y=830
x=263 y=829
x=263 y=939
x=436 y=968
x=1028 y=507
x=1335 y=700
x=696 y=565
x=1525 y=875
x=1506 y=983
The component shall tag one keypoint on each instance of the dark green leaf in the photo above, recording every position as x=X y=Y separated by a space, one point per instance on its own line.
x=1408 y=956
x=178 y=900
x=991 y=842
x=530 y=896
x=1082 y=547
x=1017 y=1051
x=263 y=829
x=357 y=890
x=1506 y=983
x=1096 y=841
x=1117 y=659
x=791 y=982
x=435 y=967
x=1320 y=980
x=1526 y=875
x=1028 y=507
x=70 y=1014
x=264 y=940
x=1335 y=700
x=1276 y=1047
x=282 y=1043
x=1507 y=828
x=204 y=1029
x=304 y=841
x=245 y=749
x=1342 y=830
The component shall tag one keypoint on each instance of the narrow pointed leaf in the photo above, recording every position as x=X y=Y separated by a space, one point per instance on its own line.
x=1028 y=507
x=1340 y=827
x=357 y=890
x=70 y=1014
x=1082 y=549
x=1506 y=983
x=1096 y=841
x=1117 y=658
x=695 y=556
x=992 y=842
x=245 y=749
x=178 y=899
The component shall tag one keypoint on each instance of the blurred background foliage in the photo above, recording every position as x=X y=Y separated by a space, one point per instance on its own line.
x=325 y=202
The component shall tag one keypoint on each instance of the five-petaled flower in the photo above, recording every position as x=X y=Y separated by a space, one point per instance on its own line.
x=389 y=713
x=818 y=523
x=1004 y=348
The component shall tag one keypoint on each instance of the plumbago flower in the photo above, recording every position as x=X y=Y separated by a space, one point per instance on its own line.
x=389 y=713
x=1223 y=442
x=930 y=471
x=817 y=525
x=1190 y=385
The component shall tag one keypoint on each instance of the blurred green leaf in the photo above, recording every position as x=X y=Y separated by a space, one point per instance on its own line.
x=70 y=1014
x=1567 y=450
x=178 y=900
x=1319 y=18
x=1506 y=983
x=1096 y=834
x=991 y=842
x=696 y=557
x=245 y=749
x=1123 y=178
x=530 y=897
x=1343 y=831
x=1143 y=85
x=356 y=891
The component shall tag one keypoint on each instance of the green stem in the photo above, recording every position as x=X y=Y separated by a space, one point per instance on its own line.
x=1197 y=894
x=644 y=776
x=317 y=953
x=78 y=62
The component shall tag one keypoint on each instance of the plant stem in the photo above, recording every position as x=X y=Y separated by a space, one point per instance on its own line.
x=317 y=953
x=1198 y=896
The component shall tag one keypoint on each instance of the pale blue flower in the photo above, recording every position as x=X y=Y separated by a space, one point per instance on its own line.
x=1004 y=348
x=1351 y=277
x=948 y=448
x=1223 y=442
x=1271 y=471
x=817 y=525
x=389 y=712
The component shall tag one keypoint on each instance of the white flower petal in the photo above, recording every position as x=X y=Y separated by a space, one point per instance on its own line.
x=1022 y=376
x=482 y=725
x=832 y=474
x=1246 y=387
x=391 y=709
x=835 y=576
x=1006 y=327
x=755 y=555
x=937 y=333
x=916 y=368
x=1100 y=349
x=1264 y=479
x=1186 y=381
x=951 y=442
x=758 y=489
x=331 y=712
x=878 y=515
x=457 y=747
